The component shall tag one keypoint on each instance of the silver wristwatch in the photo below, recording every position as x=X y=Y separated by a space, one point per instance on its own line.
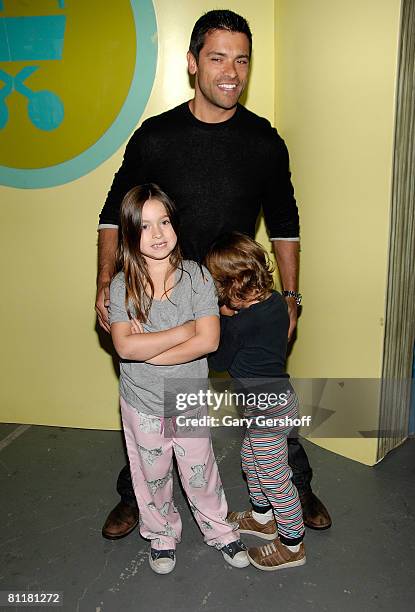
x=298 y=297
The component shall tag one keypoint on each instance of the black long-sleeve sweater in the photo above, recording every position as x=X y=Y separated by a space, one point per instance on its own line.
x=218 y=174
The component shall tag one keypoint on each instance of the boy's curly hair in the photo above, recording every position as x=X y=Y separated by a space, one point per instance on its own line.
x=241 y=269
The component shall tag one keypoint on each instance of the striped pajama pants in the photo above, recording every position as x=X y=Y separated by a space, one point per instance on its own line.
x=264 y=455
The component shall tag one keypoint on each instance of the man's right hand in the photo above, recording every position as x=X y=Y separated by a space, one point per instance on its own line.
x=107 y=247
x=101 y=305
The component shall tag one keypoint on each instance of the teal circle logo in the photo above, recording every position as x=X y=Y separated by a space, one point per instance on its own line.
x=75 y=78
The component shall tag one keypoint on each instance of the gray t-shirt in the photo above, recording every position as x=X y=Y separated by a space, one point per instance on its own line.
x=193 y=297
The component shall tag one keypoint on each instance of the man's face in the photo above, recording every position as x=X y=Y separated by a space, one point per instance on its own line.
x=222 y=70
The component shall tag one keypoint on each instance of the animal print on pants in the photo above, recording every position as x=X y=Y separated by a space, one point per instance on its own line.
x=150 y=453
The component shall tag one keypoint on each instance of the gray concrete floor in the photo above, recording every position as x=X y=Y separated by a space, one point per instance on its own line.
x=57 y=486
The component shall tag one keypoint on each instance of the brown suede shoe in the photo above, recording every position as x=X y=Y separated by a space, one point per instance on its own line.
x=121 y=521
x=315 y=514
x=275 y=556
x=247 y=524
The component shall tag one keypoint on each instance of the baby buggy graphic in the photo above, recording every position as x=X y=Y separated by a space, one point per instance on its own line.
x=32 y=38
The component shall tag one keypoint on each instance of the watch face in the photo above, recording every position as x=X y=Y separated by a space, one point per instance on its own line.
x=293 y=294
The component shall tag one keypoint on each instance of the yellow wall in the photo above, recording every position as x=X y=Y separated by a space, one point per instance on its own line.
x=333 y=65
x=335 y=89
x=53 y=368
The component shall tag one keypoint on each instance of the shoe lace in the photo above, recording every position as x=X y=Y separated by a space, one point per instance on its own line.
x=242 y=515
x=234 y=548
x=162 y=554
x=268 y=549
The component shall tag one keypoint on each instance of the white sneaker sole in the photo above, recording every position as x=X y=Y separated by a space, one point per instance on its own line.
x=259 y=534
x=164 y=568
x=240 y=562
x=277 y=567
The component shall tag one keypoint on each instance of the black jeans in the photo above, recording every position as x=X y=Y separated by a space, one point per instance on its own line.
x=298 y=462
x=297 y=458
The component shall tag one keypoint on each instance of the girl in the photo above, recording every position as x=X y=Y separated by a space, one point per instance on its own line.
x=253 y=345
x=164 y=320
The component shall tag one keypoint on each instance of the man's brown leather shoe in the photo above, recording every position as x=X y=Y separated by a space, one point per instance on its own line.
x=121 y=521
x=315 y=514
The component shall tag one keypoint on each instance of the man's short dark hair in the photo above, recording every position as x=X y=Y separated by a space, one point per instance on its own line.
x=217 y=20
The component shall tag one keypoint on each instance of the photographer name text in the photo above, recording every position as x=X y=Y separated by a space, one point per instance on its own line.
x=230 y=421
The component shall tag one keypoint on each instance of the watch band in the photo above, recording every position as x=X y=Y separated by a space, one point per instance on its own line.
x=298 y=297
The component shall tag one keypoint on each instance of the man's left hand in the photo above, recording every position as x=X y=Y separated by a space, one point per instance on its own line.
x=293 y=314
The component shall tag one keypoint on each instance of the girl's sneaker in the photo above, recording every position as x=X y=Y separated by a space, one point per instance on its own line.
x=162 y=561
x=275 y=556
x=235 y=554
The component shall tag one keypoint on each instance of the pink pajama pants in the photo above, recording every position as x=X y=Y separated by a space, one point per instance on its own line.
x=150 y=452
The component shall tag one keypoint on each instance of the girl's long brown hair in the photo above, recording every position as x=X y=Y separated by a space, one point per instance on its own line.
x=139 y=288
x=241 y=269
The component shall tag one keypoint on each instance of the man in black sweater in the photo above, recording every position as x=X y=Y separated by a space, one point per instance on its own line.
x=220 y=163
